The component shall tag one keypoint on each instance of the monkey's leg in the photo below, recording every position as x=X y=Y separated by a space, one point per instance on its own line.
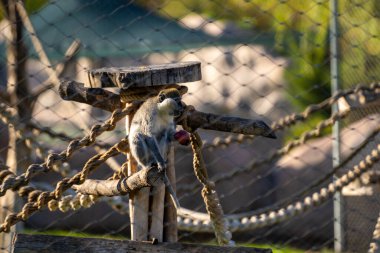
x=141 y=152
x=154 y=149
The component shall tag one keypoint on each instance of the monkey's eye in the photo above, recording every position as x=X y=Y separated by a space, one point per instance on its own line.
x=161 y=97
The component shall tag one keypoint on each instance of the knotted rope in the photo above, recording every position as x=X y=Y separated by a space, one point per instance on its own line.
x=209 y=194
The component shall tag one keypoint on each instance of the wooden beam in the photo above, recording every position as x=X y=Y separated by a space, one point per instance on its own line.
x=170 y=212
x=97 y=97
x=138 y=201
x=109 y=101
x=145 y=76
x=146 y=177
x=210 y=121
x=58 y=244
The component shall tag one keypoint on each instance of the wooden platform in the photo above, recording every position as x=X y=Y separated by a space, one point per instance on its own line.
x=61 y=244
x=145 y=76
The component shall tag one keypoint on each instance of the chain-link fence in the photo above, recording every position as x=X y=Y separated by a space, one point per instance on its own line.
x=269 y=60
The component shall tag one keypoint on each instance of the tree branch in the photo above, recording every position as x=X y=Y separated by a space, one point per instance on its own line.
x=97 y=97
x=146 y=177
x=210 y=121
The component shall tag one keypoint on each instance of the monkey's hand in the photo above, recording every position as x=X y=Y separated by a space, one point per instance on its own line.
x=183 y=137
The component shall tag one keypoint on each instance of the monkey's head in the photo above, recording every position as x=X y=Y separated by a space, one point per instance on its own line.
x=169 y=101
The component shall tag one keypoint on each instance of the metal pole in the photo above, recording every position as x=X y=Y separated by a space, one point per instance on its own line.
x=335 y=87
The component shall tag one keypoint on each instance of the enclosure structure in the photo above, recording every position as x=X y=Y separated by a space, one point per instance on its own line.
x=151 y=209
x=257 y=179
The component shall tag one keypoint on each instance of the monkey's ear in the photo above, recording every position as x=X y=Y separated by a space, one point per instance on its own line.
x=161 y=97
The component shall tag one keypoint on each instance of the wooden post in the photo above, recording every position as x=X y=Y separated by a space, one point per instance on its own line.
x=138 y=202
x=170 y=213
x=17 y=88
x=147 y=206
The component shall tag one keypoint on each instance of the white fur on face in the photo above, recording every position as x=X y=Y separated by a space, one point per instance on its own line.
x=167 y=106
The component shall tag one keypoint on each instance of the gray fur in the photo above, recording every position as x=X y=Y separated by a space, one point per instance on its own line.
x=151 y=132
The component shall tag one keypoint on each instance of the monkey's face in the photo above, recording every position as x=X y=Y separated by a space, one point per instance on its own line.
x=169 y=101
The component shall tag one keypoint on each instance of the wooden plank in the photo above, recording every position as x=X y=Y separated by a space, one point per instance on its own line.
x=145 y=76
x=98 y=97
x=156 y=226
x=170 y=214
x=58 y=244
x=138 y=202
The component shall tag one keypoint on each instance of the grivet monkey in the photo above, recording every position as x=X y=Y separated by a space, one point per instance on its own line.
x=153 y=129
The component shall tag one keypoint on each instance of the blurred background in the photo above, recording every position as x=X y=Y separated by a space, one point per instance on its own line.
x=259 y=59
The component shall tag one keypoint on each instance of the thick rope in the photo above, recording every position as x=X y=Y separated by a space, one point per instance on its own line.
x=194 y=221
x=287 y=122
x=374 y=246
x=254 y=164
x=55 y=159
x=316 y=132
x=327 y=103
x=292 y=119
x=143 y=93
x=209 y=194
x=45 y=197
x=240 y=221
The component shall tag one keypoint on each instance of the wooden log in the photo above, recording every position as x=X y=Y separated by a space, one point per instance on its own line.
x=147 y=177
x=170 y=212
x=210 y=121
x=23 y=243
x=139 y=201
x=145 y=76
x=77 y=92
x=97 y=97
x=156 y=213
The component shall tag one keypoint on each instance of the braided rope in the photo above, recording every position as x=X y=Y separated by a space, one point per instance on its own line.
x=195 y=221
x=142 y=93
x=280 y=152
x=209 y=194
x=374 y=246
x=45 y=197
x=290 y=120
x=286 y=149
x=327 y=103
x=55 y=159
x=71 y=202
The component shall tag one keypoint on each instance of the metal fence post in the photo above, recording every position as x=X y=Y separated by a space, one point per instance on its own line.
x=335 y=87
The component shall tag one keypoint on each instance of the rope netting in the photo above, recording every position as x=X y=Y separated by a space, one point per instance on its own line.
x=216 y=221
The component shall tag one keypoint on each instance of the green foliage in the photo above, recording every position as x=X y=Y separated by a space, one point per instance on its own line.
x=302 y=35
x=360 y=43
x=30 y=5
x=301 y=30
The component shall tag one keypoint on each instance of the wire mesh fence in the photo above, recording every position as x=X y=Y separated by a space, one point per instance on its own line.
x=267 y=60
